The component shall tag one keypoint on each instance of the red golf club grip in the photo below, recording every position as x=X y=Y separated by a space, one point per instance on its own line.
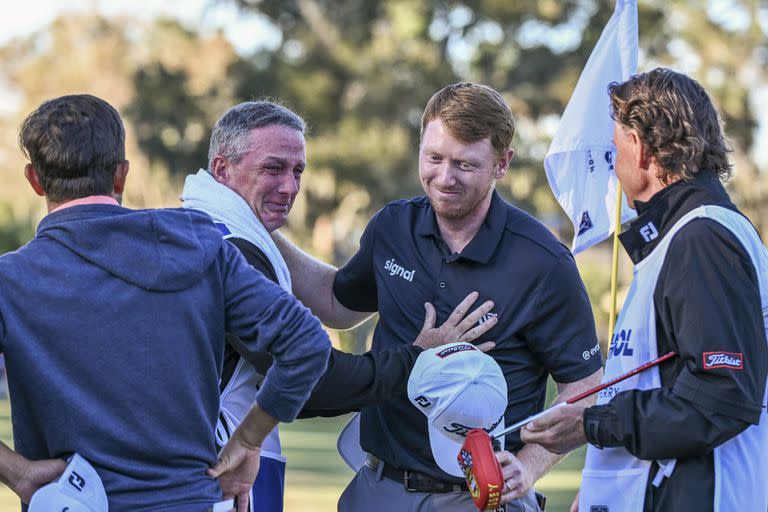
x=597 y=389
x=520 y=424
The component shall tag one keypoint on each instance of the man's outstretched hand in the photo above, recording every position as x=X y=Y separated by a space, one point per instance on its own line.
x=559 y=431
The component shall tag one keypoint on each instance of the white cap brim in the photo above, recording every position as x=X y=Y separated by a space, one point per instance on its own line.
x=446 y=451
x=79 y=489
x=50 y=499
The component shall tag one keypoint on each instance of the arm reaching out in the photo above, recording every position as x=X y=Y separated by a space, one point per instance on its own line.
x=533 y=461
x=353 y=381
x=313 y=285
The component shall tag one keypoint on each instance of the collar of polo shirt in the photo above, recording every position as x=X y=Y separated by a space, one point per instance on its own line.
x=484 y=243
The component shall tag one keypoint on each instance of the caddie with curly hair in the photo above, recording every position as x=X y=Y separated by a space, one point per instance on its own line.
x=692 y=433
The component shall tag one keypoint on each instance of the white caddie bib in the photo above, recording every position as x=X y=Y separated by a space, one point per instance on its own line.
x=614 y=480
x=235 y=402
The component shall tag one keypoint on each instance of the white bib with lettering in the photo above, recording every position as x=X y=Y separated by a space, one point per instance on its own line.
x=614 y=480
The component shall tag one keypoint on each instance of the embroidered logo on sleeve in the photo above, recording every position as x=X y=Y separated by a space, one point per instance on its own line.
x=730 y=360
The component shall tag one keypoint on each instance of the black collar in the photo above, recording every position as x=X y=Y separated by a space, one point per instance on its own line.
x=483 y=245
x=657 y=215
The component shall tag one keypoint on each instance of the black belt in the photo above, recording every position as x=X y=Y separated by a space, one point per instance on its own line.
x=414 y=481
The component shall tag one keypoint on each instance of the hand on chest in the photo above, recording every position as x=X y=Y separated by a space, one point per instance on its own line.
x=404 y=285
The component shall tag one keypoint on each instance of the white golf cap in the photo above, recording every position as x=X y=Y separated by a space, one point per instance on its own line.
x=458 y=388
x=79 y=489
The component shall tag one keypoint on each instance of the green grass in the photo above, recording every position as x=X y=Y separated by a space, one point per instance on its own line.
x=316 y=474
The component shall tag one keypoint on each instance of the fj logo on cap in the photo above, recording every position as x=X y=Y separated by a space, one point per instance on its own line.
x=76 y=481
x=78 y=489
x=422 y=401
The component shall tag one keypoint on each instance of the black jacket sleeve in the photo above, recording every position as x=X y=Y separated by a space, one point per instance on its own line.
x=351 y=381
x=682 y=428
x=707 y=301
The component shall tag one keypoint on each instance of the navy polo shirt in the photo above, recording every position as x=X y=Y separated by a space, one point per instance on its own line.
x=545 y=324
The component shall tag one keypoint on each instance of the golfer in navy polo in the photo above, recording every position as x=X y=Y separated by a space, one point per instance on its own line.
x=461 y=236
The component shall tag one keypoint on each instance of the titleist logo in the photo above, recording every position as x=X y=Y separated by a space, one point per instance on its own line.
x=462 y=430
x=731 y=360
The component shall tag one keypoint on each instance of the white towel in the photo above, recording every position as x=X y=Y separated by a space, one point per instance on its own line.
x=579 y=163
x=202 y=192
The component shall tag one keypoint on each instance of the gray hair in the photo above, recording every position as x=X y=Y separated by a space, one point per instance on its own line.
x=230 y=134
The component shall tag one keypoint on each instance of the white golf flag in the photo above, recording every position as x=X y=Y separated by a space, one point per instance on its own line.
x=579 y=163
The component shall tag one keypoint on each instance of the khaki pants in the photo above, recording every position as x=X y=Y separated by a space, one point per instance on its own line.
x=370 y=492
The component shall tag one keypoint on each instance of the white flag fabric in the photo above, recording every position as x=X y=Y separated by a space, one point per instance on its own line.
x=579 y=163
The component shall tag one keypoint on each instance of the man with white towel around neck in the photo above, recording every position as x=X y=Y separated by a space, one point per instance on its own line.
x=257 y=156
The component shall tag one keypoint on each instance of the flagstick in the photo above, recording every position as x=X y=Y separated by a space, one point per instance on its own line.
x=615 y=264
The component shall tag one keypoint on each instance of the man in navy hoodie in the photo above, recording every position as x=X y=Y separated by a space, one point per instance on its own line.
x=112 y=324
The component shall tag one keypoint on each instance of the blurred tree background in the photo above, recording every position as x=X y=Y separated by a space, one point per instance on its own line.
x=360 y=72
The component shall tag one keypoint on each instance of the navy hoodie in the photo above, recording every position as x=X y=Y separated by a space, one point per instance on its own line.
x=112 y=323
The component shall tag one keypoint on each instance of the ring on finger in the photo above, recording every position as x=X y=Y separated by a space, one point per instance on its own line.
x=507 y=486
